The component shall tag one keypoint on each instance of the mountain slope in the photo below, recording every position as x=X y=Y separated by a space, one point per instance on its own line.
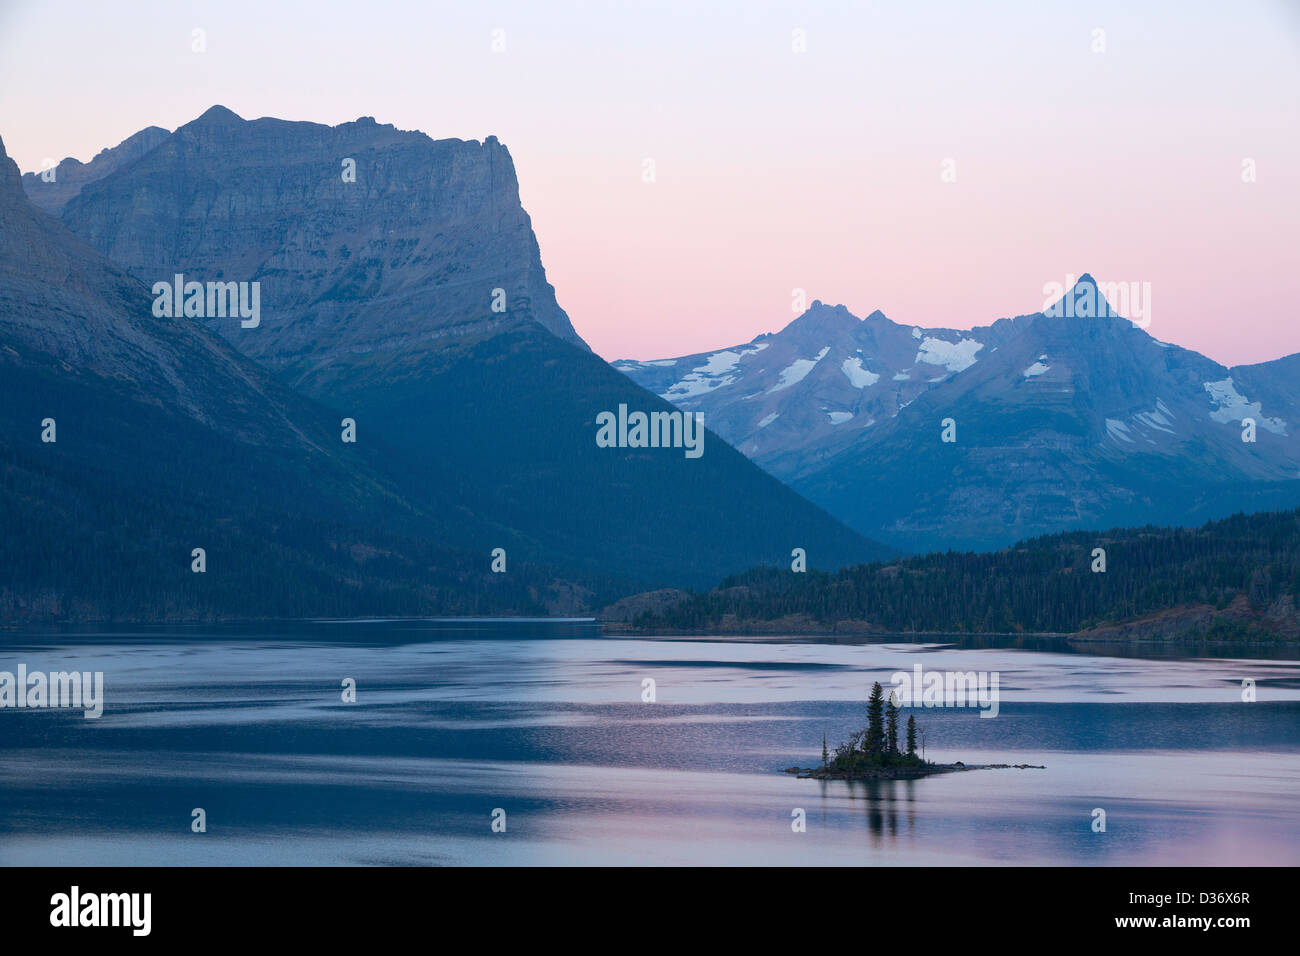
x=376 y=301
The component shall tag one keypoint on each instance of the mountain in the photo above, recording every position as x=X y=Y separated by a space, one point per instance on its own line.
x=792 y=399
x=413 y=247
x=167 y=439
x=376 y=300
x=51 y=189
x=1061 y=421
x=1237 y=579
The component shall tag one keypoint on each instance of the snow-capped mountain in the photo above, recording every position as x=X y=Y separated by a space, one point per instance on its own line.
x=790 y=399
x=1060 y=422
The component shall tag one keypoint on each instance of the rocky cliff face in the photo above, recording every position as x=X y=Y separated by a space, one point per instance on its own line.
x=362 y=237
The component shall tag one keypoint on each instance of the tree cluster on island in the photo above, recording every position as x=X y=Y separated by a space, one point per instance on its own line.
x=876 y=746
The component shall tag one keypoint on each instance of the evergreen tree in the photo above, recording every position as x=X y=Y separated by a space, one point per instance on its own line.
x=875 y=740
x=826 y=755
x=891 y=726
x=911 y=735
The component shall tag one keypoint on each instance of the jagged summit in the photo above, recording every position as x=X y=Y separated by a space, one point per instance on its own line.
x=820 y=317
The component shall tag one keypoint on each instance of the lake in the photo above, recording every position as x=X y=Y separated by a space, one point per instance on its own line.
x=546 y=721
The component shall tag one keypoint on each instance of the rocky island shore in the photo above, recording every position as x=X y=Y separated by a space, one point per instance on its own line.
x=909 y=772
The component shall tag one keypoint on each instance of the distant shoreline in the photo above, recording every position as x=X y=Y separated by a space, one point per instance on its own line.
x=762 y=629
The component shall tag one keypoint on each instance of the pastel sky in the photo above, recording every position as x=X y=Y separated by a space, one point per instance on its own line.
x=775 y=170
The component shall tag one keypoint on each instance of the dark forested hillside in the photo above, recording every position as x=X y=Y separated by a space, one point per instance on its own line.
x=1236 y=578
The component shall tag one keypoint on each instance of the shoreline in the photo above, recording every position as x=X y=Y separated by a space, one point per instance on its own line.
x=902 y=773
x=783 y=630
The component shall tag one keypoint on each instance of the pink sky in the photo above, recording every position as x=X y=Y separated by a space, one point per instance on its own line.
x=775 y=170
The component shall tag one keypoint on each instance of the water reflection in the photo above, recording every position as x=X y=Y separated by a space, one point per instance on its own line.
x=456 y=718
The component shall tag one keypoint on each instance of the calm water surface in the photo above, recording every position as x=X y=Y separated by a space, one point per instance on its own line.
x=546 y=721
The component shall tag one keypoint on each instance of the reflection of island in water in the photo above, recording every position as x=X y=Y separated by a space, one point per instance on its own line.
x=882 y=804
x=873 y=753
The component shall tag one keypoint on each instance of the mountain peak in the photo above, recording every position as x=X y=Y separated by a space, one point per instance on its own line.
x=218 y=115
x=1083 y=300
x=821 y=317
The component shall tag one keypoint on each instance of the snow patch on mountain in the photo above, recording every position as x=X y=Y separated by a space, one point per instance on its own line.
x=1232 y=406
x=797 y=371
x=633 y=366
x=1161 y=419
x=1153 y=420
x=710 y=376
x=720 y=362
x=954 y=356
x=695 y=384
x=858 y=376
x=838 y=418
x=1118 y=430
x=769 y=419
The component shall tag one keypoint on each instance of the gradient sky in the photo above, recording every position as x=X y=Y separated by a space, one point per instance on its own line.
x=775 y=170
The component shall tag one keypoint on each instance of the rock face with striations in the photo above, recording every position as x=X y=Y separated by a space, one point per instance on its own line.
x=362 y=237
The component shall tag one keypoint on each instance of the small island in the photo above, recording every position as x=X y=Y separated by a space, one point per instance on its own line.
x=873 y=752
